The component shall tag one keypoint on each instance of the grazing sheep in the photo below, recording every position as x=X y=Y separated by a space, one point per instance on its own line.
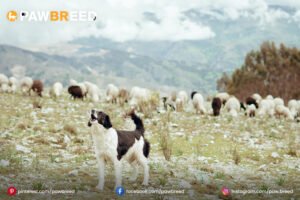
x=56 y=90
x=281 y=110
x=278 y=101
x=112 y=93
x=123 y=96
x=3 y=83
x=266 y=106
x=73 y=82
x=181 y=100
x=76 y=92
x=294 y=107
x=233 y=105
x=12 y=85
x=138 y=95
x=37 y=87
x=168 y=104
x=198 y=103
x=224 y=96
x=192 y=94
x=251 y=101
x=26 y=85
x=257 y=97
x=269 y=97
x=92 y=91
x=216 y=106
x=250 y=111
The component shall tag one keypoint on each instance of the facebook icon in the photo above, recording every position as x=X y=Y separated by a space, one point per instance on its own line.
x=120 y=191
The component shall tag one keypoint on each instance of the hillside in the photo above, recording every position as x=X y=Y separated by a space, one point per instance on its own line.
x=105 y=66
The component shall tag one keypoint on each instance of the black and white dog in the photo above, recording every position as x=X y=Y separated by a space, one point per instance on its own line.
x=118 y=145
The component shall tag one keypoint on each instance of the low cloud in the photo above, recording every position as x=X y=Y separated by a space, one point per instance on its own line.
x=146 y=20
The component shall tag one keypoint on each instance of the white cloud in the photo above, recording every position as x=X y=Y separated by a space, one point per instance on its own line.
x=122 y=20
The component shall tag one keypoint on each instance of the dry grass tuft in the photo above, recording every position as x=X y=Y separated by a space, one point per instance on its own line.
x=70 y=129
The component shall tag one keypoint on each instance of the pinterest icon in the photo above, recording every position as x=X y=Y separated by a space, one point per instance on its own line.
x=12 y=191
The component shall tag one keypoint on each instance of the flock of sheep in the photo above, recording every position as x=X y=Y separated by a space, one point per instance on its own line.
x=139 y=97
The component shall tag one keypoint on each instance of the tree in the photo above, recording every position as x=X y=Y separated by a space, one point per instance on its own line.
x=270 y=70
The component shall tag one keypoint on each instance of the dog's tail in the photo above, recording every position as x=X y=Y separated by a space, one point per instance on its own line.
x=146 y=148
x=139 y=125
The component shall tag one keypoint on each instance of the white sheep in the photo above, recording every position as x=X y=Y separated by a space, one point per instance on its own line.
x=112 y=93
x=281 y=110
x=294 y=107
x=278 y=101
x=12 y=85
x=26 y=84
x=233 y=105
x=181 y=100
x=93 y=91
x=3 y=83
x=198 y=103
x=257 y=97
x=73 y=82
x=139 y=97
x=224 y=96
x=266 y=106
x=269 y=97
x=56 y=90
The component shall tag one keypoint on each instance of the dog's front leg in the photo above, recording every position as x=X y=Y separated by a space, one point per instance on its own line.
x=101 y=169
x=118 y=172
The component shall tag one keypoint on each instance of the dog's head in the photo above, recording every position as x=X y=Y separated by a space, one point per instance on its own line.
x=100 y=118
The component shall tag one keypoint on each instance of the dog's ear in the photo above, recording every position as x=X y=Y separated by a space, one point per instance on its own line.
x=106 y=123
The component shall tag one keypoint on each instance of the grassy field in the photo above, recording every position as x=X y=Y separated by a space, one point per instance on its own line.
x=45 y=144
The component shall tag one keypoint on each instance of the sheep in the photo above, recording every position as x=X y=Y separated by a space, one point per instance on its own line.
x=266 y=106
x=181 y=100
x=37 y=87
x=224 y=96
x=56 y=90
x=138 y=95
x=123 y=96
x=92 y=91
x=73 y=82
x=232 y=105
x=192 y=94
x=76 y=92
x=294 y=107
x=281 y=110
x=216 y=106
x=278 y=101
x=251 y=100
x=112 y=93
x=26 y=85
x=173 y=96
x=3 y=83
x=198 y=103
x=12 y=85
x=250 y=111
x=257 y=97
x=269 y=97
x=167 y=103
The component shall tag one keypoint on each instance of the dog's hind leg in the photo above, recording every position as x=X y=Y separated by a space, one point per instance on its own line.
x=144 y=162
x=101 y=170
x=118 y=172
x=135 y=171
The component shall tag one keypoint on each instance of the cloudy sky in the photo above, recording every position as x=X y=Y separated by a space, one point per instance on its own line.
x=145 y=20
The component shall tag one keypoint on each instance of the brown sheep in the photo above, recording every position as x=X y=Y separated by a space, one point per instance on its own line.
x=216 y=106
x=123 y=96
x=76 y=92
x=37 y=87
